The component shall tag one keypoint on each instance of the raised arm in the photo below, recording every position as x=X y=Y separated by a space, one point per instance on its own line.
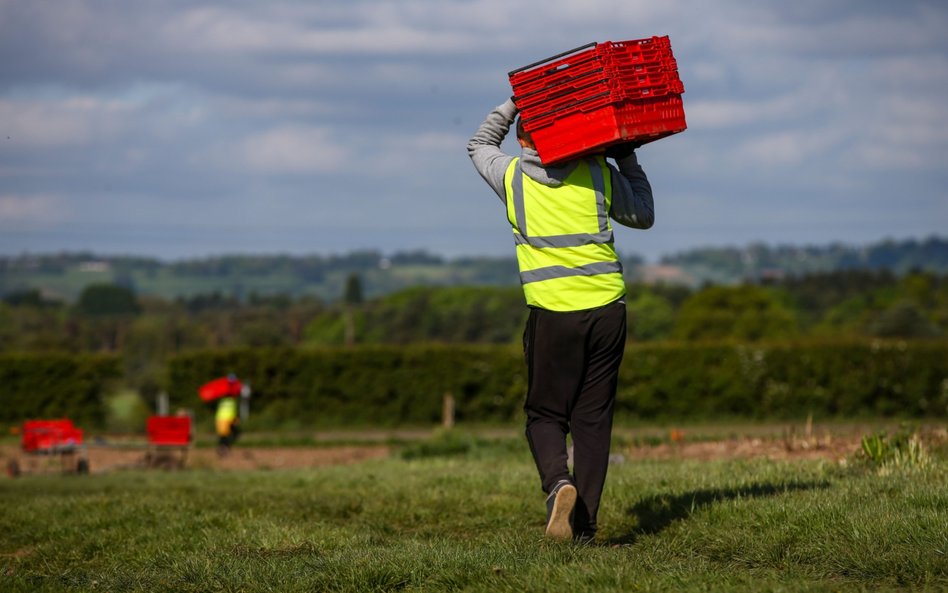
x=484 y=147
x=632 y=204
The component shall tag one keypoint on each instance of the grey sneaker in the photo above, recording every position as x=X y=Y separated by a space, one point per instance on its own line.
x=559 y=511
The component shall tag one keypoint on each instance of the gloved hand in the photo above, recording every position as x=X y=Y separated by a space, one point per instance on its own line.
x=622 y=150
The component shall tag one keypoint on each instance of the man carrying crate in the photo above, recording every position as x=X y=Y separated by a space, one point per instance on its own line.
x=572 y=280
x=227 y=423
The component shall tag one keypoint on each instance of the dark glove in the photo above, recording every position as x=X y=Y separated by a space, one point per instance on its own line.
x=622 y=150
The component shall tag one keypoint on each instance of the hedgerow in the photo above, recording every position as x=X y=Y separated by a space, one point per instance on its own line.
x=53 y=385
x=391 y=385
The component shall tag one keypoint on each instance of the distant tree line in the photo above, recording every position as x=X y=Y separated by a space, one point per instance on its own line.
x=760 y=261
x=64 y=276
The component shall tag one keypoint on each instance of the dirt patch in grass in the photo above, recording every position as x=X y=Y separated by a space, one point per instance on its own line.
x=741 y=448
x=793 y=444
x=790 y=444
x=106 y=459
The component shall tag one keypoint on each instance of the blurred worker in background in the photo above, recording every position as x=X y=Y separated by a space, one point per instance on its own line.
x=226 y=419
x=572 y=280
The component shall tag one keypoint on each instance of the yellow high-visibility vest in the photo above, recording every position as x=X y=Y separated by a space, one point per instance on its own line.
x=564 y=238
x=226 y=415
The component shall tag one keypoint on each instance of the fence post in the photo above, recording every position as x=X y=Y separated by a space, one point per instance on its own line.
x=161 y=404
x=245 y=402
x=447 y=411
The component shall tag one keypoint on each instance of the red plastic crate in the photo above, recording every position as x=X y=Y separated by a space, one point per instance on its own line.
x=638 y=50
x=569 y=96
x=590 y=65
x=562 y=96
x=584 y=132
x=46 y=436
x=585 y=99
x=169 y=431
x=647 y=49
x=653 y=51
x=600 y=67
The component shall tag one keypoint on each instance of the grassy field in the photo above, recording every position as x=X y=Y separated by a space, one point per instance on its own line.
x=455 y=515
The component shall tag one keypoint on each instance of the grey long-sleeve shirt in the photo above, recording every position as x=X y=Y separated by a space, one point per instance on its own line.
x=631 y=192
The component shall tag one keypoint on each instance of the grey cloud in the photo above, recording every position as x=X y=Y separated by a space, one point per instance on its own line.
x=342 y=123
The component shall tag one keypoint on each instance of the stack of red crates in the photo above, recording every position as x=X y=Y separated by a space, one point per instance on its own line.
x=50 y=436
x=173 y=431
x=583 y=100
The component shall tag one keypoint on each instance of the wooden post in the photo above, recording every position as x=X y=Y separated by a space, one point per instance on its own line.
x=447 y=411
x=161 y=404
x=245 y=402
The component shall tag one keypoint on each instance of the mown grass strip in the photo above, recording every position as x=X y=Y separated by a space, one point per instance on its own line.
x=473 y=522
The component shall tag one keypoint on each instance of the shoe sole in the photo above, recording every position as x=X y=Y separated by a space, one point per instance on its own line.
x=559 y=527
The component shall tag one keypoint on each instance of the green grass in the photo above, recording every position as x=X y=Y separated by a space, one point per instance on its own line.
x=467 y=515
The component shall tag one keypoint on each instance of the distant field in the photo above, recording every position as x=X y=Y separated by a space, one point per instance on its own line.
x=162 y=280
x=458 y=513
x=163 y=283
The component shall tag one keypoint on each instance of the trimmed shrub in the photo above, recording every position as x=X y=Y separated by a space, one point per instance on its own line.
x=384 y=385
x=55 y=386
x=390 y=385
x=783 y=381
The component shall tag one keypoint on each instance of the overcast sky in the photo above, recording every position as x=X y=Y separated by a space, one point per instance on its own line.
x=180 y=128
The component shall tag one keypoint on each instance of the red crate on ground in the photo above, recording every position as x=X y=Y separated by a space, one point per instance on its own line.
x=50 y=436
x=169 y=440
x=600 y=94
x=169 y=431
x=50 y=439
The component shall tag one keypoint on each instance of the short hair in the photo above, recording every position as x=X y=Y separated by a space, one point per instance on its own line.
x=523 y=133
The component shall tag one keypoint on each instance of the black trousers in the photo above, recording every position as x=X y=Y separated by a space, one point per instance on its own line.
x=573 y=363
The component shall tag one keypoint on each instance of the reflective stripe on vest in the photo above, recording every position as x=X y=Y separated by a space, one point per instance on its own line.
x=573 y=240
x=562 y=269
x=551 y=272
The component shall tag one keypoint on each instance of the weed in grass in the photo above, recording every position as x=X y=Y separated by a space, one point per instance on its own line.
x=903 y=451
x=454 y=443
x=445 y=443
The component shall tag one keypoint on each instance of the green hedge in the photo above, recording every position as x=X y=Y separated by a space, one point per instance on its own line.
x=56 y=386
x=784 y=381
x=385 y=385
x=405 y=385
